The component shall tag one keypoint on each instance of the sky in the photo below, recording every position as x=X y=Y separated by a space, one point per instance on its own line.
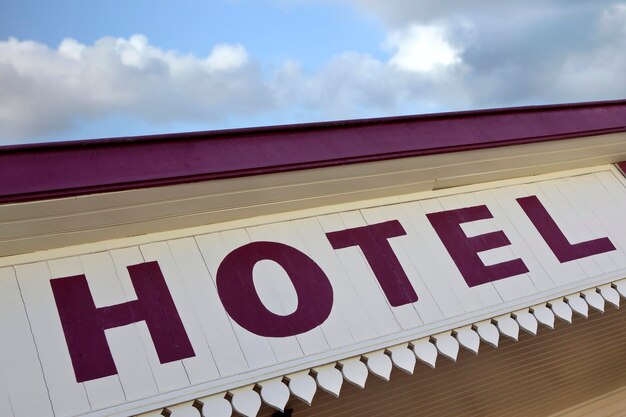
x=78 y=69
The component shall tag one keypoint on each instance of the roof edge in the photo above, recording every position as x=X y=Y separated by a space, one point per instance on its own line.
x=329 y=124
x=64 y=169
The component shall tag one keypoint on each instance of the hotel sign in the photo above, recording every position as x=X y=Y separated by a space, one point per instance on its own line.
x=84 y=324
x=126 y=324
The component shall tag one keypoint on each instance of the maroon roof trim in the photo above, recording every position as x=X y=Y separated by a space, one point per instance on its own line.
x=622 y=167
x=52 y=170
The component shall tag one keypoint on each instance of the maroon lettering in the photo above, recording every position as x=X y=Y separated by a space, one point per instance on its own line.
x=236 y=289
x=373 y=242
x=84 y=324
x=554 y=237
x=464 y=250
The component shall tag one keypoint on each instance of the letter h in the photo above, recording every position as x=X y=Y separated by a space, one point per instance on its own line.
x=84 y=324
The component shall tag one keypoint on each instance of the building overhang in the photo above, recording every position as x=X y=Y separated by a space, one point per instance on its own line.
x=70 y=193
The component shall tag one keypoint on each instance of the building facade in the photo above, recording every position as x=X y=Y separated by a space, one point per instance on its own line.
x=465 y=263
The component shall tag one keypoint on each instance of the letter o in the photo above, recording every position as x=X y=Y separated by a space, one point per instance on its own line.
x=236 y=290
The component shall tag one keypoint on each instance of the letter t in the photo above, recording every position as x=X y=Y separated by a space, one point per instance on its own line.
x=372 y=240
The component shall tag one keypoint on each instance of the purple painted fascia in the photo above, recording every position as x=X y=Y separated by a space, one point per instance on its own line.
x=62 y=169
x=622 y=167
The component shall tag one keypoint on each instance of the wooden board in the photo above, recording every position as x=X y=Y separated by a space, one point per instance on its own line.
x=37 y=369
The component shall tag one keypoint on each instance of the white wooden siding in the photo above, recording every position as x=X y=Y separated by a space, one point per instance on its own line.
x=37 y=374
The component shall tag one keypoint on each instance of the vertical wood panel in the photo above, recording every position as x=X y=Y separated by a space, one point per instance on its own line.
x=517 y=235
x=283 y=348
x=363 y=282
x=125 y=342
x=168 y=376
x=577 y=193
x=512 y=287
x=68 y=396
x=313 y=341
x=426 y=307
x=590 y=226
x=406 y=316
x=467 y=298
x=203 y=296
x=486 y=293
x=602 y=184
x=571 y=224
x=348 y=311
x=565 y=221
x=419 y=251
x=23 y=377
x=102 y=391
x=256 y=349
x=201 y=367
x=609 y=215
x=560 y=273
x=599 y=185
x=5 y=400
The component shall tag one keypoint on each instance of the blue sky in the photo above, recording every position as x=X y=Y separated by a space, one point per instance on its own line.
x=83 y=69
x=274 y=30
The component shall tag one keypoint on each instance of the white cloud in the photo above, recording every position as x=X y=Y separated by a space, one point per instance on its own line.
x=479 y=56
x=70 y=48
x=516 y=52
x=45 y=89
x=422 y=48
x=399 y=13
x=613 y=21
x=226 y=57
x=601 y=70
